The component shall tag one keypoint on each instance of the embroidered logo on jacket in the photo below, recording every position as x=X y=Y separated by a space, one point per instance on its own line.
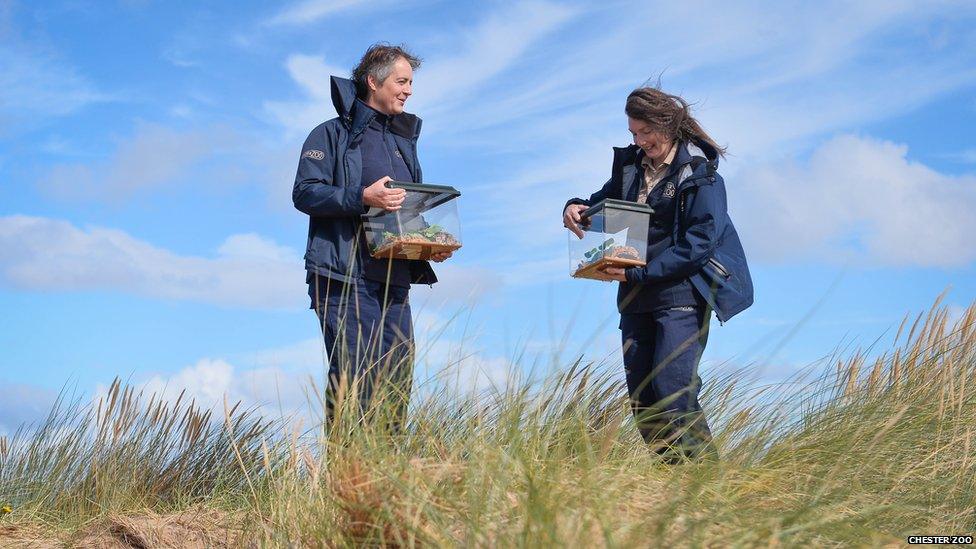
x=669 y=190
x=313 y=154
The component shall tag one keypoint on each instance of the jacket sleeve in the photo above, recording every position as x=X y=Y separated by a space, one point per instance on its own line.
x=700 y=227
x=315 y=192
x=606 y=191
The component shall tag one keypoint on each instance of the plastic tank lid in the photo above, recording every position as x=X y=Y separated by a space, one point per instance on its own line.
x=423 y=188
x=614 y=204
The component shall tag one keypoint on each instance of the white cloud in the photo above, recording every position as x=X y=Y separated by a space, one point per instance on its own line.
x=448 y=82
x=21 y=404
x=36 y=82
x=457 y=78
x=207 y=382
x=273 y=392
x=280 y=383
x=53 y=255
x=450 y=357
x=181 y=110
x=967 y=156
x=766 y=77
x=310 y=11
x=856 y=199
x=256 y=247
x=956 y=313
x=306 y=354
x=313 y=75
x=37 y=85
x=769 y=48
x=247 y=270
x=457 y=284
x=154 y=157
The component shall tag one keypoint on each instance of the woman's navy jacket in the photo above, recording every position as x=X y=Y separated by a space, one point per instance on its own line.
x=705 y=247
x=329 y=187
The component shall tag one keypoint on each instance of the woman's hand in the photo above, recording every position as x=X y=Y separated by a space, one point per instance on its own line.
x=571 y=218
x=440 y=256
x=615 y=273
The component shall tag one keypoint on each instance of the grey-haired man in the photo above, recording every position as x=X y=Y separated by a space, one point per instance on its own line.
x=363 y=303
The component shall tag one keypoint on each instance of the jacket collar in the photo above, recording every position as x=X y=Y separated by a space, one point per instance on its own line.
x=356 y=118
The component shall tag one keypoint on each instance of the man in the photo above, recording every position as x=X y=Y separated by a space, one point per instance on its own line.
x=361 y=302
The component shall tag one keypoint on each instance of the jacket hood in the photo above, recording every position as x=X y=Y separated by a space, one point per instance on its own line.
x=696 y=148
x=344 y=100
x=343 y=96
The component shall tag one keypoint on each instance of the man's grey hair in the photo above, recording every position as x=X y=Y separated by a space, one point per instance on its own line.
x=378 y=62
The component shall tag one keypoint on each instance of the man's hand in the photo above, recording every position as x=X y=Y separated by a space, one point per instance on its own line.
x=615 y=273
x=571 y=218
x=440 y=256
x=378 y=195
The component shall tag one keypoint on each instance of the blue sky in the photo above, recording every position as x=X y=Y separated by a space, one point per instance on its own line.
x=147 y=153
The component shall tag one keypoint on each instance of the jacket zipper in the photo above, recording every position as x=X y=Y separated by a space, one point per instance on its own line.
x=720 y=268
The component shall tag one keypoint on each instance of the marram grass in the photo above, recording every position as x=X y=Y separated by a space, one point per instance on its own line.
x=866 y=455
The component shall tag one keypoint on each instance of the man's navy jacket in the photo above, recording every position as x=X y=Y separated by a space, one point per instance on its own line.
x=704 y=247
x=329 y=187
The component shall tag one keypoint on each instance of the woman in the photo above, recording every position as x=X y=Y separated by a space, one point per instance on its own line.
x=696 y=265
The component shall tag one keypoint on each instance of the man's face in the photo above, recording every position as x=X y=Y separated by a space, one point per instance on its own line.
x=655 y=143
x=390 y=96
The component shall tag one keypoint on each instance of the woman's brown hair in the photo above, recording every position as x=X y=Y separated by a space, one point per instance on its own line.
x=669 y=114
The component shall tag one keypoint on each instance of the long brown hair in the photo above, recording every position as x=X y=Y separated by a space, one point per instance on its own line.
x=669 y=114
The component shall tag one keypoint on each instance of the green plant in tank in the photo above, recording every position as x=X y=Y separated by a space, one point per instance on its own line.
x=595 y=253
x=430 y=232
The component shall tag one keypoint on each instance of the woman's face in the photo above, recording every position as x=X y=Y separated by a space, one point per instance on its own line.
x=655 y=143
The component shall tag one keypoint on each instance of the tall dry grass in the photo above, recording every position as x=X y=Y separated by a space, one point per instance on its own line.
x=865 y=454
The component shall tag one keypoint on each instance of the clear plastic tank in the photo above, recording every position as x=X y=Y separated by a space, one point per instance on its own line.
x=614 y=235
x=427 y=223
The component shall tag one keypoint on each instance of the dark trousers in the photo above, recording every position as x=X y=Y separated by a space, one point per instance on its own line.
x=661 y=354
x=368 y=332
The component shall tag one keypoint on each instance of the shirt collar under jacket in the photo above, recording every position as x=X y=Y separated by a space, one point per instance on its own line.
x=646 y=161
x=653 y=176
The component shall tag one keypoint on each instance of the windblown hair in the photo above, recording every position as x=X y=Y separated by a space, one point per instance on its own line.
x=669 y=114
x=378 y=62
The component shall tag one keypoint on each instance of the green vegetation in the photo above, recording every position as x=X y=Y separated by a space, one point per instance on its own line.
x=430 y=232
x=872 y=452
x=433 y=234
x=597 y=253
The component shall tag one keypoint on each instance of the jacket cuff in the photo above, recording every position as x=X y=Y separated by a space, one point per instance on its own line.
x=572 y=201
x=632 y=274
x=356 y=200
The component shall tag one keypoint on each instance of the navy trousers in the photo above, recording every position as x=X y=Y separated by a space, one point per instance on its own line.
x=368 y=332
x=661 y=354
